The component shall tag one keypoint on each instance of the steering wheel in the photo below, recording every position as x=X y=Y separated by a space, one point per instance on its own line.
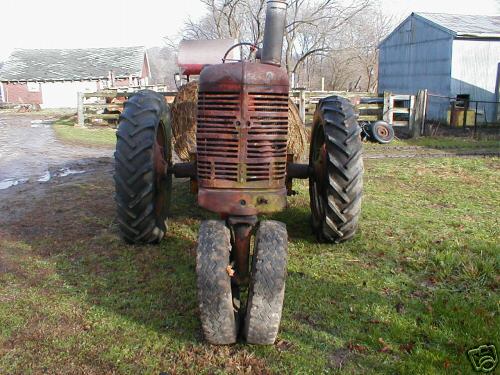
x=252 y=46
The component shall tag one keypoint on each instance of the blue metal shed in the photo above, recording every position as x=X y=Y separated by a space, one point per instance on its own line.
x=446 y=54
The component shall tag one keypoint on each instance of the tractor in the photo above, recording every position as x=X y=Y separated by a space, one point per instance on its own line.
x=241 y=169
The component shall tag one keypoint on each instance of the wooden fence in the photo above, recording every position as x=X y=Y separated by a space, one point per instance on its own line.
x=107 y=104
x=397 y=110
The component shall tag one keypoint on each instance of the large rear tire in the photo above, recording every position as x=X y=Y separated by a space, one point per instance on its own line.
x=143 y=154
x=217 y=312
x=336 y=184
x=267 y=285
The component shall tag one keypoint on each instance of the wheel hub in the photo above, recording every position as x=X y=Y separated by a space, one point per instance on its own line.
x=382 y=131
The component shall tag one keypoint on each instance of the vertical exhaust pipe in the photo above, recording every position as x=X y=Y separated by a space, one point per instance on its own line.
x=274 y=32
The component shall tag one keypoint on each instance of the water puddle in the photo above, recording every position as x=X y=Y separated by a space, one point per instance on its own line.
x=9 y=182
x=45 y=177
x=63 y=172
x=29 y=150
x=41 y=123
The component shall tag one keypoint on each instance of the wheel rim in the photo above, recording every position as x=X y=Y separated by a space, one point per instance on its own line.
x=160 y=166
x=318 y=159
x=382 y=132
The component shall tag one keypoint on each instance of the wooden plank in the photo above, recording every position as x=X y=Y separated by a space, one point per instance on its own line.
x=368 y=118
x=111 y=107
x=399 y=123
x=401 y=111
x=101 y=94
x=401 y=97
x=115 y=93
x=103 y=117
x=370 y=106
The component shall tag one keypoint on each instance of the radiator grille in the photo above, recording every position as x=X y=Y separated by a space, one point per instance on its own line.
x=217 y=136
x=242 y=146
x=267 y=137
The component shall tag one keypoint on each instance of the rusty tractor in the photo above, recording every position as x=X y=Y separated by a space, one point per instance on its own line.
x=241 y=169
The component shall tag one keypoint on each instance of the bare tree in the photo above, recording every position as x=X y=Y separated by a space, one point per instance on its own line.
x=308 y=32
x=334 y=39
x=312 y=26
x=365 y=34
x=224 y=20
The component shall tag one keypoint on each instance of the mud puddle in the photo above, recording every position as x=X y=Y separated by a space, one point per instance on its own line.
x=29 y=151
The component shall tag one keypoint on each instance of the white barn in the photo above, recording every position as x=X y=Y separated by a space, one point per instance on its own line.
x=52 y=78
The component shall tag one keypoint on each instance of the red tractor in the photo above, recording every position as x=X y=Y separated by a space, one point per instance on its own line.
x=241 y=169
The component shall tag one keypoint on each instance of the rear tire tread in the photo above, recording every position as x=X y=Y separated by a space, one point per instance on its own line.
x=344 y=169
x=134 y=174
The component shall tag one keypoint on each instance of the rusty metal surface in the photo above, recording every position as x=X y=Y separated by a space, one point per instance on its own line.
x=242 y=131
x=242 y=202
x=242 y=228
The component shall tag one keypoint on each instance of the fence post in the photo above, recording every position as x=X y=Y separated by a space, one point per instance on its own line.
x=81 y=121
x=388 y=107
x=302 y=105
x=497 y=96
x=417 y=119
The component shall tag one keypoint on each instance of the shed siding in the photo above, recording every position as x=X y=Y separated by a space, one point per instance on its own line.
x=474 y=68
x=474 y=72
x=18 y=93
x=417 y=56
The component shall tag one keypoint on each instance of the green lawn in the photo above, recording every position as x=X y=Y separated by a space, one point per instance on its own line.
x=416 y=288
x=93 y=136
x=440 y=143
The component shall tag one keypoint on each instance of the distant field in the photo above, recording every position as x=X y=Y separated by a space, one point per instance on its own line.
x=416 y=288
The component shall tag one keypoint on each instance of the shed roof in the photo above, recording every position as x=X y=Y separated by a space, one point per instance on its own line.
x=473 y=26
x=72 y=64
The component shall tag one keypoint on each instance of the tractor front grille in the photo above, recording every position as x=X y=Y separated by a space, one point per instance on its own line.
x=242 y=139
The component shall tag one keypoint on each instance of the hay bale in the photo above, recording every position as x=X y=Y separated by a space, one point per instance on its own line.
x=184 y=125
x=184 y=111
x=297 y=135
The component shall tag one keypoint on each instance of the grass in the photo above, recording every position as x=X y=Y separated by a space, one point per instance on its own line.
x=441 y=143
x=66 y=131
x=416 y=288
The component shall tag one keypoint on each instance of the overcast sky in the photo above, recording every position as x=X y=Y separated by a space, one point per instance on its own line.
x=101 y=23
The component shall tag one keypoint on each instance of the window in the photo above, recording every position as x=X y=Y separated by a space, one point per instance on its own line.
x=33 y=87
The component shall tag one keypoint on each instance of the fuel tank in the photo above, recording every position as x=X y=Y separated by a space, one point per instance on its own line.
x=241 y=135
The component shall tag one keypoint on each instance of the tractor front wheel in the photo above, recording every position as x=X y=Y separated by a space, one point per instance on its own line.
x=336 y=182
x=218 y=314
x=267 y=285
x=143 y=154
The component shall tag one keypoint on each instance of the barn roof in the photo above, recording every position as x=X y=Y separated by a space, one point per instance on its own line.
x=473 y=26
x=72 y=64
